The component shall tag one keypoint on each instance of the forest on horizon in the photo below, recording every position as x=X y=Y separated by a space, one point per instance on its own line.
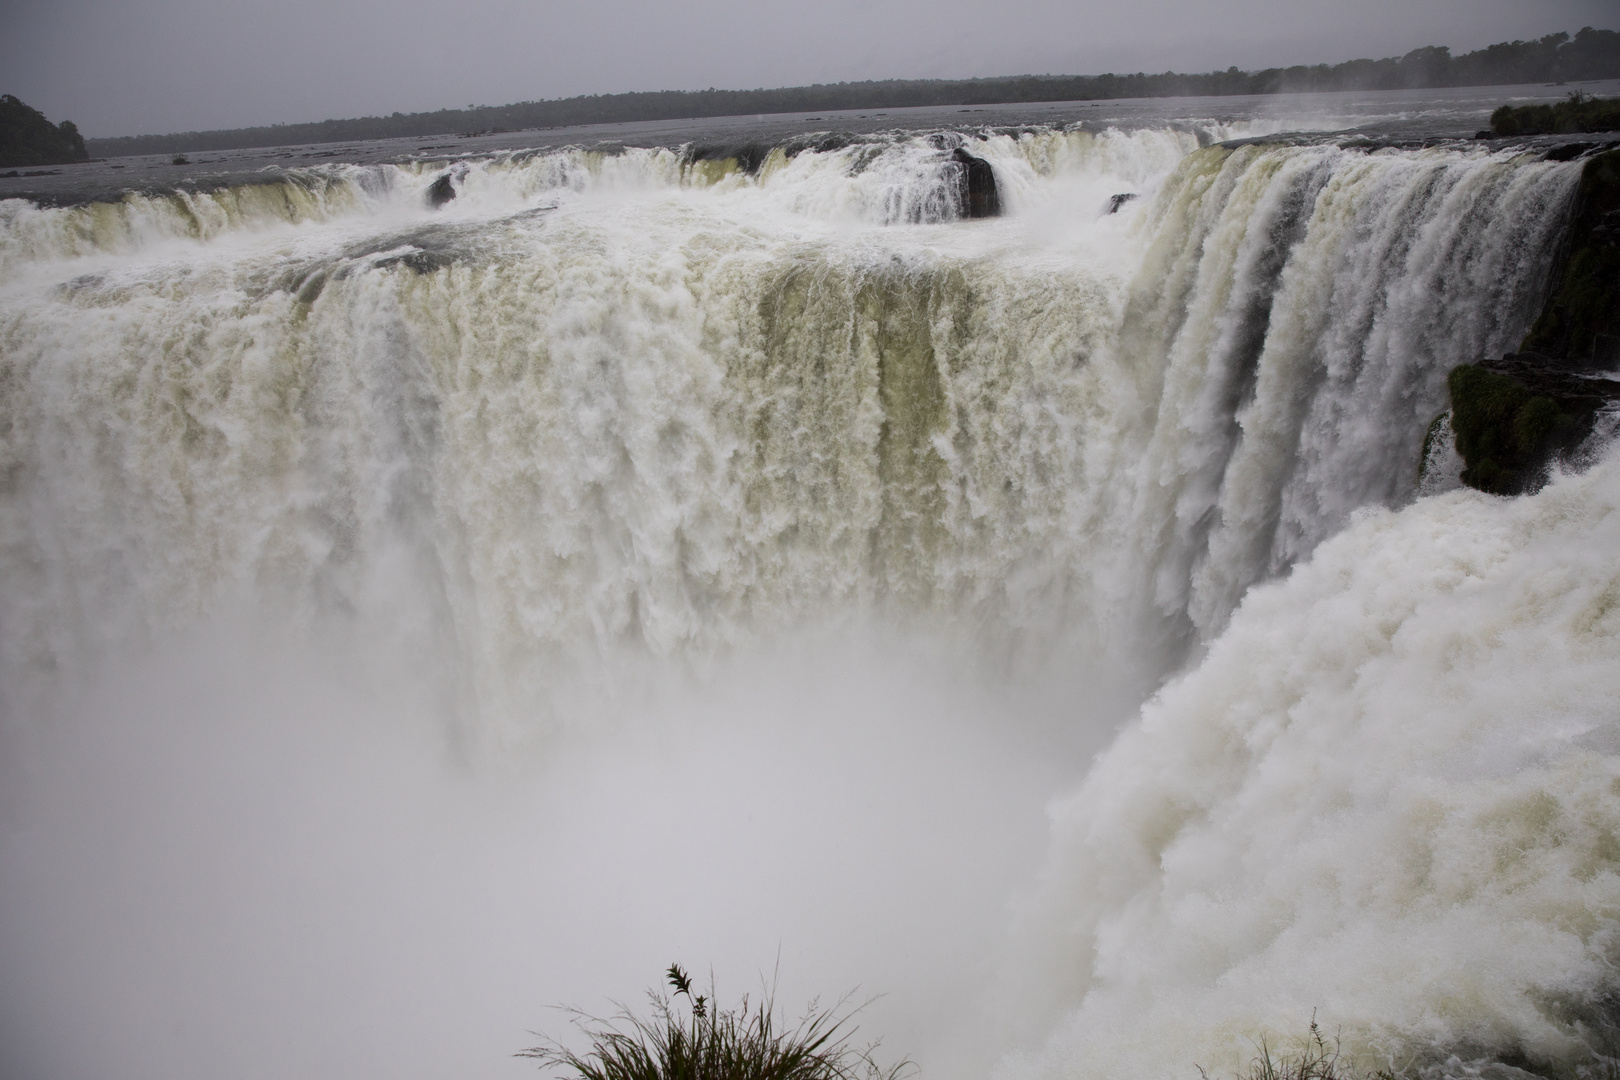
x=1588 y=54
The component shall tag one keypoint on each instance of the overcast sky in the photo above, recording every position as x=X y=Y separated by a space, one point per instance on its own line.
x=123 y=67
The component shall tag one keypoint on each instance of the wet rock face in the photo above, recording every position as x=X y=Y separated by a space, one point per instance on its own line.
x=976 y=181
x=1580 y=325
x=1514 y=416
x=441 y=192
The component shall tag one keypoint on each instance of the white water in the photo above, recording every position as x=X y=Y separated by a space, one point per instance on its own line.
x=1388 y=795
x=413 y=618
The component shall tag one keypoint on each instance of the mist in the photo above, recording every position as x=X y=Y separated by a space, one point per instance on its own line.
x=237 y=855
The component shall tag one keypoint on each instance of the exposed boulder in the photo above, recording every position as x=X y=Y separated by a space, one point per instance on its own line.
x=1120 y=200
x=976 y=185
x=1571 y=151
x=1511 y=422
x=421 y=260
x=749 y=155
x=442 y=191
x=27 y=138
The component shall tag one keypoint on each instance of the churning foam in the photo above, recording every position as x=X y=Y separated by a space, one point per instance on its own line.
x=1389 y=797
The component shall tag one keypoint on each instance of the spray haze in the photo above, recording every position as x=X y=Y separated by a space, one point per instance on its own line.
x=236 y=844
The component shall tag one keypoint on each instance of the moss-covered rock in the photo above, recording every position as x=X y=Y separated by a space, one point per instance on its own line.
x=27 y=138
x=1505 y=434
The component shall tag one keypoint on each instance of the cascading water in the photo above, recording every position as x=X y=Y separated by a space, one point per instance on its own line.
x=607 y=420
x=1387 y=797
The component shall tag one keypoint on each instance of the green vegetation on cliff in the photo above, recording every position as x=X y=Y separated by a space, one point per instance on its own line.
x=1577 y=114
x=27 y=138
x=1590 y=54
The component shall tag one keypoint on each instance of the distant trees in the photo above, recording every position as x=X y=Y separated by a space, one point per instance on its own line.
x=1590 y=54
x=27 y=138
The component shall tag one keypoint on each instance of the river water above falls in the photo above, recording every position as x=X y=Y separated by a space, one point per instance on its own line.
x=436 y=588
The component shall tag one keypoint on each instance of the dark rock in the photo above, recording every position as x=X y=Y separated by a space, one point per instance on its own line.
x=1569 y=151
x=976 y=185
x=1580 y=322
x=821 y=143
x=1505 y=434
x=1120 y=200
x=1482 y=134
x=1512 y=417
x=422 y=261
x=309 y=289
x=442 y=191
x=1606 y=231
x=1576 y=391
x=749 y=155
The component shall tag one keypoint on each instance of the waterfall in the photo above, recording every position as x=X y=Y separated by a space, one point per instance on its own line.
x=1386 y=799
x=680 y=417
x=607 y=419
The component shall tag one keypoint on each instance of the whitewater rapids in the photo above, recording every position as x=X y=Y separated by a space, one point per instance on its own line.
x=1389 y=796
x=411 y=618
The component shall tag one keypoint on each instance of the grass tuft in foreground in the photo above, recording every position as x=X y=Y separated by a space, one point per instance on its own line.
x=702 y=1041
x=1316 y=1060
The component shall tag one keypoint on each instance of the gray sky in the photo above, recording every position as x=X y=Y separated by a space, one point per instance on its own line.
x=123 y=67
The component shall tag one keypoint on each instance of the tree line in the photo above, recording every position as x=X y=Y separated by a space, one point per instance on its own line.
x=1589 y=54
x=27 y=138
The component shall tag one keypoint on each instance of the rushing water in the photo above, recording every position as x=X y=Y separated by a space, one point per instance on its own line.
x=413 y=617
